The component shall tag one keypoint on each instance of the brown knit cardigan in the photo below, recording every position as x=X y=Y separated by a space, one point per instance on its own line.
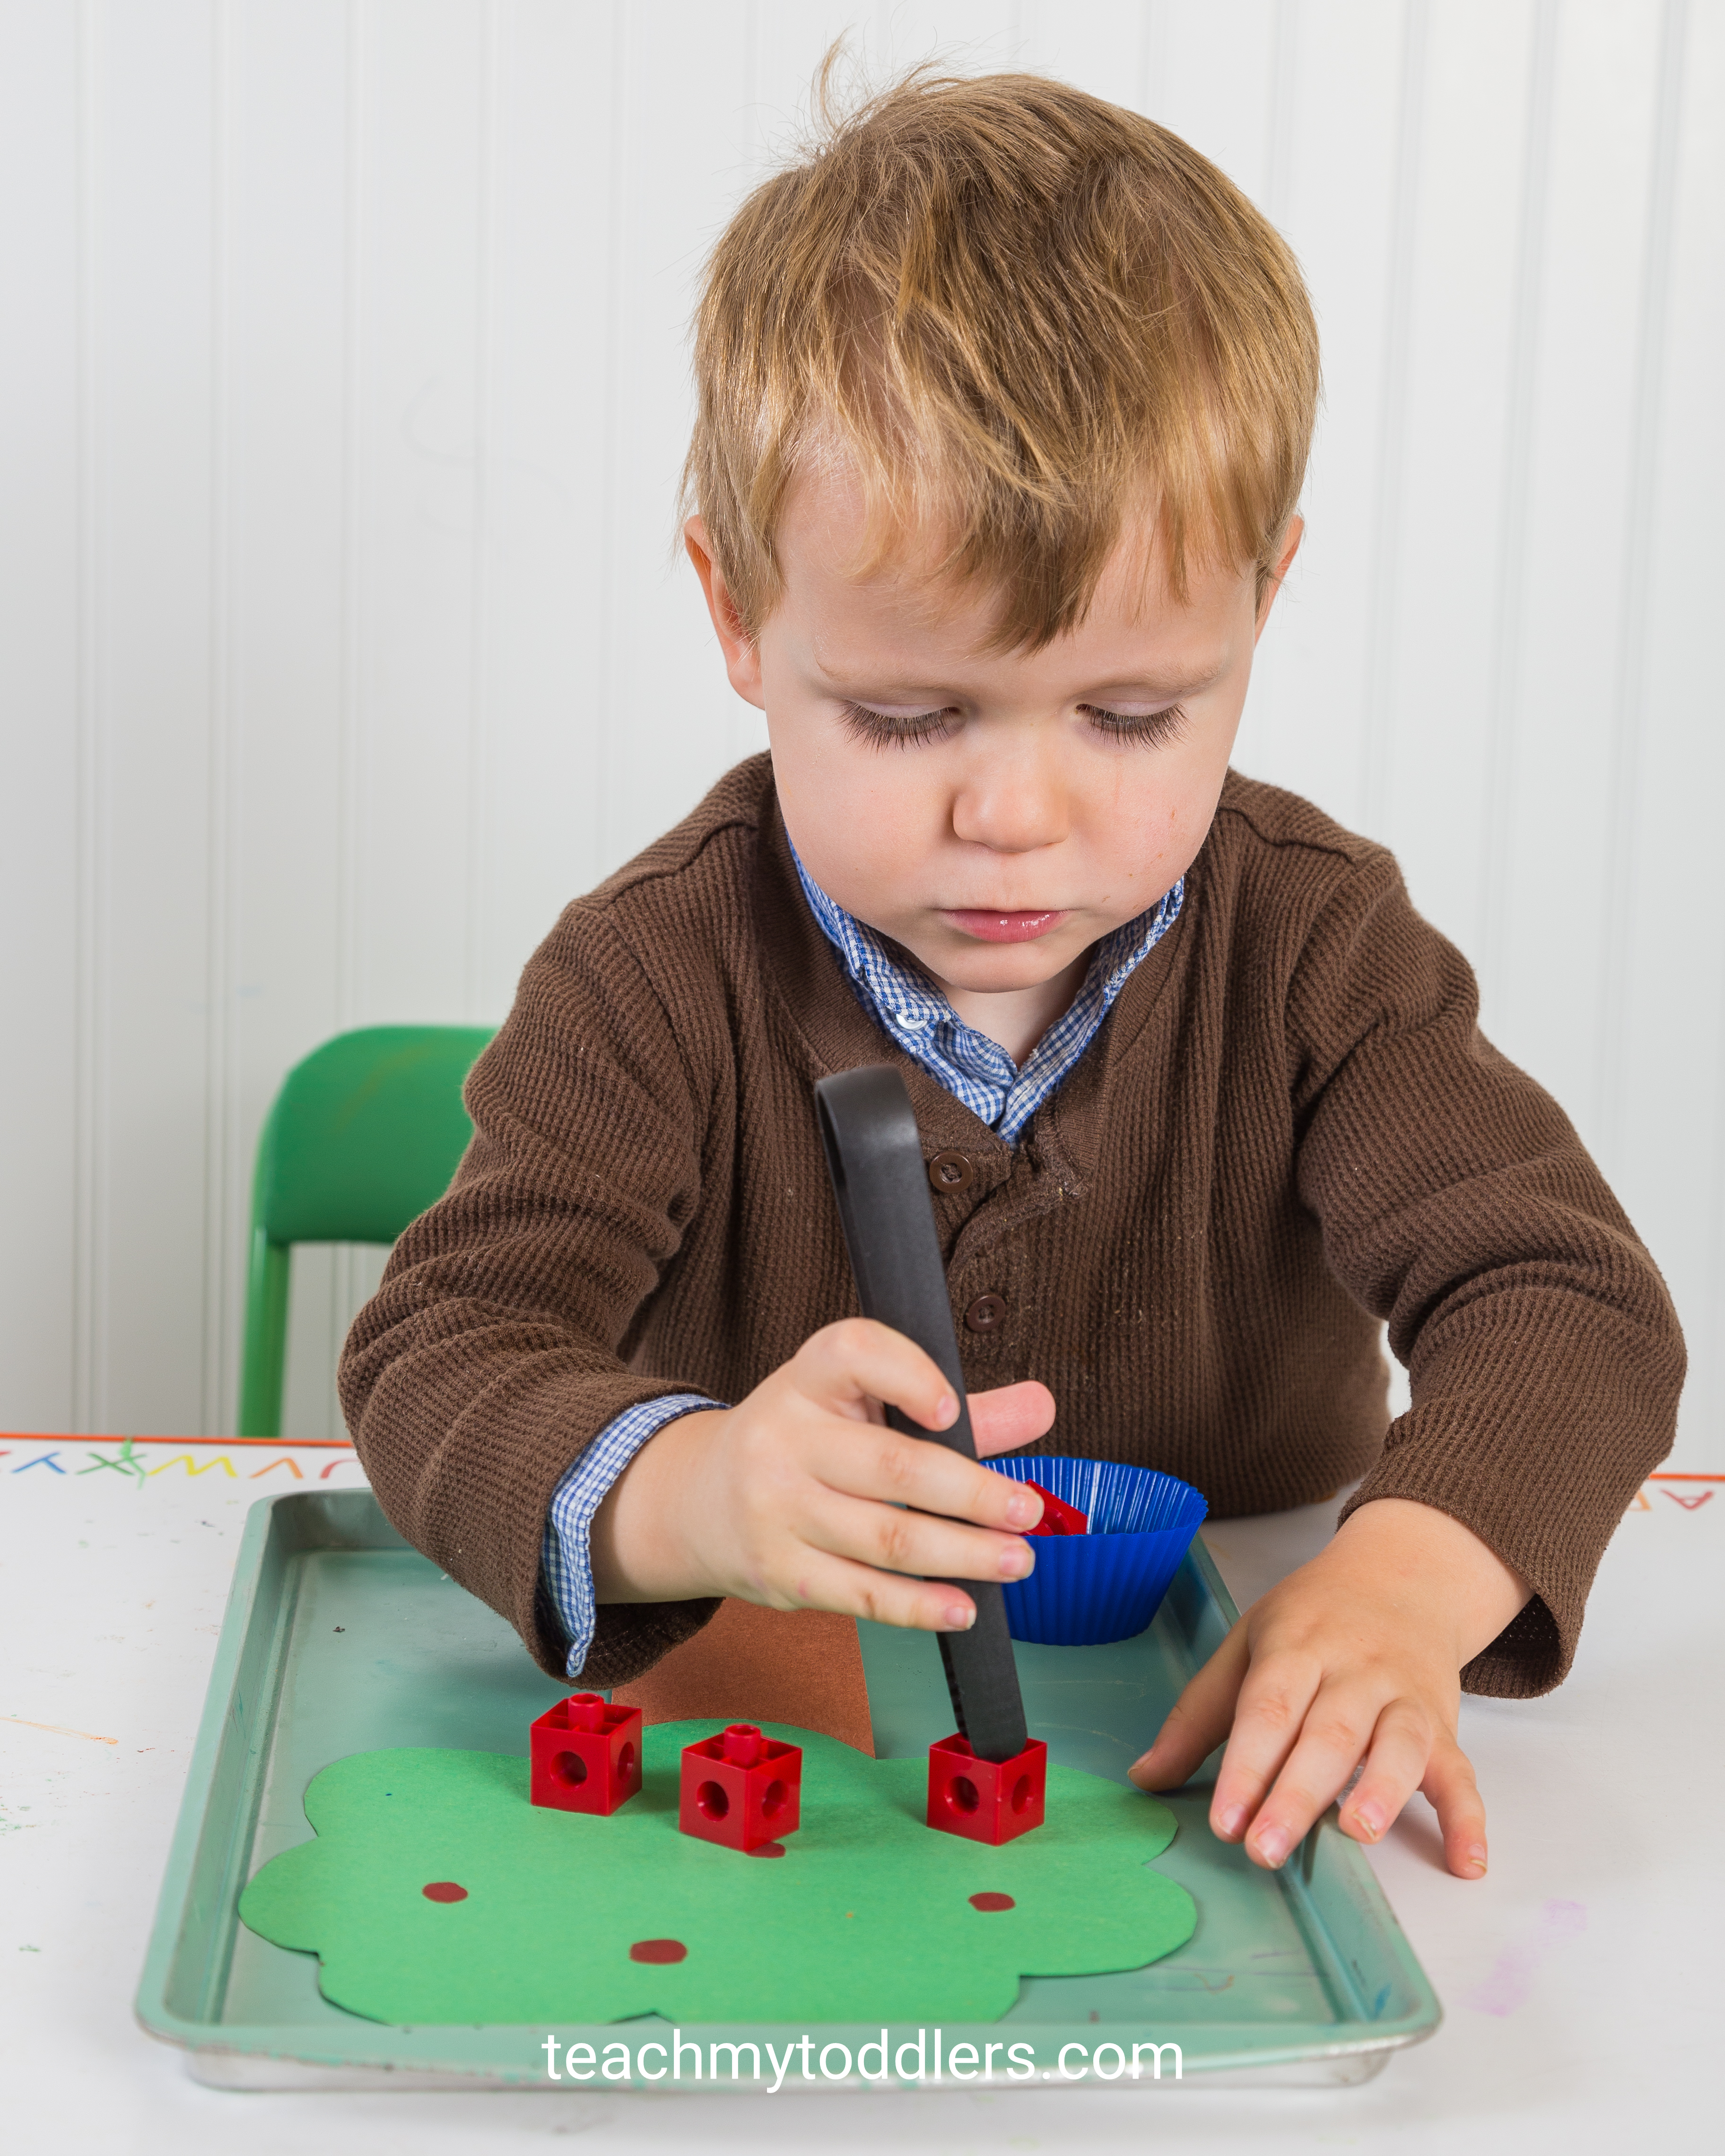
x=1289 y=1128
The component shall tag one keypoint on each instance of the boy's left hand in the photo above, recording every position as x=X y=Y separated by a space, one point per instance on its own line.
x=1356 y=1656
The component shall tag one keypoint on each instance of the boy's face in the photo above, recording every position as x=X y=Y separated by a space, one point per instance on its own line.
x=994 y=814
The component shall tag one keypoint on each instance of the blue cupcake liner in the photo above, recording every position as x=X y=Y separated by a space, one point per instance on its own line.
x=1108 y=1584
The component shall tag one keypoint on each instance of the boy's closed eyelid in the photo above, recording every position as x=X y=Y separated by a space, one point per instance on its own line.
x=1138 y=729
x=888 y=729
x=878 y=729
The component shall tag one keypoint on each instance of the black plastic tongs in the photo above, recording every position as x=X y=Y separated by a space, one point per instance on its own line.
x=876 y=1157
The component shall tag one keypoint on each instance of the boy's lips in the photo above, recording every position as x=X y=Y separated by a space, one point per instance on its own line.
x=1005 y=927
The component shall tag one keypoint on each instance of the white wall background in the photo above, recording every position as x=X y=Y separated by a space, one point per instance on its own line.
x=343 y=393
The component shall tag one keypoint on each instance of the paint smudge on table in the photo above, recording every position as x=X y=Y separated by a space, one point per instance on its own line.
x=1510 y=1982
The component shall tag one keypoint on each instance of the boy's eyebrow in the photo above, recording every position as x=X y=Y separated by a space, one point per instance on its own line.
x=1187 y=682
x=1191 y=682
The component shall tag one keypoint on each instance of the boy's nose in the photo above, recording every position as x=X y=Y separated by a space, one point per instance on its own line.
x=1013 y=810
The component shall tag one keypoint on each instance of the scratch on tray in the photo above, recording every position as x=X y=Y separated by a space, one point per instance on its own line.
x=58 y=1729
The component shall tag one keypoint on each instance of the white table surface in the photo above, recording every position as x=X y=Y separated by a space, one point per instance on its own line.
x=1580 y=1980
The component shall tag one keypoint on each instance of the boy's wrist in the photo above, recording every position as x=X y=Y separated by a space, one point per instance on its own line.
x=638 y=1548
x=1422 y=1553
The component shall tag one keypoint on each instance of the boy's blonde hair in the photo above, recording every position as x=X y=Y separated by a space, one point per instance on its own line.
x=1020 y=315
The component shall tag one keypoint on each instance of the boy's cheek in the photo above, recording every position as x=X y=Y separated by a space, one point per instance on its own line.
x=870 y=837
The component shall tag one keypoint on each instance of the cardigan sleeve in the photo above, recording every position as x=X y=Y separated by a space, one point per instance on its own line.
x=1457 y=1203
x=488 y=1360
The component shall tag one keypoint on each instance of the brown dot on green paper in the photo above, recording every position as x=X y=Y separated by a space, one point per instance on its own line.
x=993 y=1901
x=658 y=1950
x=443 y=1890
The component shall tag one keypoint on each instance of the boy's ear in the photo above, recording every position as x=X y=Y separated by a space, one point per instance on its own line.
x=742 y=661
x=1284 y=560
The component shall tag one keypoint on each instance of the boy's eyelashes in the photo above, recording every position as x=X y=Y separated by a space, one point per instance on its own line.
x=900 y=729
x=896 y=729
x=1151 y=727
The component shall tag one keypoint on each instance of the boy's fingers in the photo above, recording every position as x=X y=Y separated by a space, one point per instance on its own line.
x=896 y=1470
x=1338 y=1731
x=825 y=1582
x=845 y=1366
x=896 y=1539
x=1011 y=1415
x=1274 y=1701
x=1453 y=1795
x=1198 y=1719
x=1401 y=1751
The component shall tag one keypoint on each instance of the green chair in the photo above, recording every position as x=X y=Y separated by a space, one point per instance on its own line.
x=364 y=1135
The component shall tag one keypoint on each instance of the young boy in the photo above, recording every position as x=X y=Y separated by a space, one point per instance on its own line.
x=1005 y=402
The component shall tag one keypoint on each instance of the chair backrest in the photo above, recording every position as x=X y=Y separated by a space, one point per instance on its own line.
x=364 y=1135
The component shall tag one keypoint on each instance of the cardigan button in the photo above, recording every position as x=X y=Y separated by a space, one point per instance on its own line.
x=987 y=1314
x=950 y=1173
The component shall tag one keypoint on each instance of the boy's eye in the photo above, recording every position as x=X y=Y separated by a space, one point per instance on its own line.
x=895 y=729
x=1150 y=727
x=898 y=729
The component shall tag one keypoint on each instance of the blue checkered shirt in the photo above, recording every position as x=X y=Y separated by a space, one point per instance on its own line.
x=912 y=1012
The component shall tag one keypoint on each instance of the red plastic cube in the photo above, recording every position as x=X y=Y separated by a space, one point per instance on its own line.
x=587 y=1756
x=1058 y=1517
x=740 y=1788
x=981 y=1799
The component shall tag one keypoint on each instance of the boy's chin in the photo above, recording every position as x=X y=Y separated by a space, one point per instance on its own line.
x=979 y=969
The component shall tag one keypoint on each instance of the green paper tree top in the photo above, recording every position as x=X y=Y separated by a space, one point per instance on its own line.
x=870 y=1916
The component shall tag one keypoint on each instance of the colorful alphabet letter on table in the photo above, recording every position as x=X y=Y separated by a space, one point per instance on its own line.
x=435 y=1892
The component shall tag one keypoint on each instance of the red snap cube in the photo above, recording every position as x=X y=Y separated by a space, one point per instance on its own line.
x=1058 y=1517
x=586 y=1756
x=740 y=1788
x=982 y=1799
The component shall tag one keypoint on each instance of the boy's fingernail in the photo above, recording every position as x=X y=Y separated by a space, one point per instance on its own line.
x=1369 y=1820
x=1015 y=1562
x=1021 y=1510
x=960 y=1618
x=944 y=1413
x=1272 y=1845
x=1476 y=1858
x=1229 y=1822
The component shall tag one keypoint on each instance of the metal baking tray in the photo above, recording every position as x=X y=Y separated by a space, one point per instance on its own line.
x=339 y=1638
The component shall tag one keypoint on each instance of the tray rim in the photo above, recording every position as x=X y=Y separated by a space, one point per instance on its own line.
x=383 y=2055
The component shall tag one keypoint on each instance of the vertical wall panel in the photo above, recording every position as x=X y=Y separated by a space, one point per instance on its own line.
x=1212 y=75
x=1558 y=827
x=1103 y=48
x=542 y=575
x=153 y=325
x=41 y=704
x=287 y=277
x=1342 y=63
x=1435 y=719
x=424 y=147
x=343 y=635
x=1667 y=1139
x=679 y=76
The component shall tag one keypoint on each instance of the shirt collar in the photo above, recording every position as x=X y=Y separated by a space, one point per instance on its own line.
x=977 y=1070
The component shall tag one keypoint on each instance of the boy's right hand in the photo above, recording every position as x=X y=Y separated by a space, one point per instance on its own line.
x=796 y=1498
